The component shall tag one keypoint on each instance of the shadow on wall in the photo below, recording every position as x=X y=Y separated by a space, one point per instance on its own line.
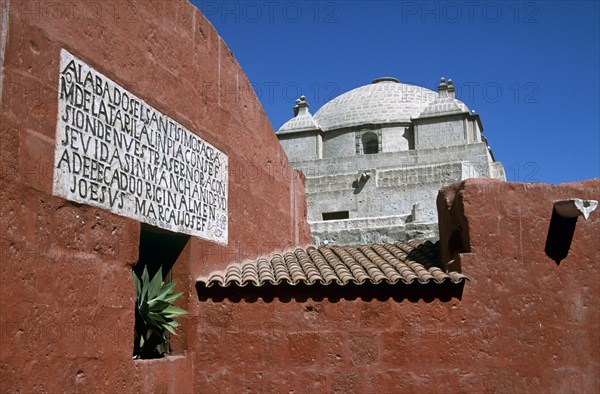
x=560 y=236
x=414 y=292
x=159 y=248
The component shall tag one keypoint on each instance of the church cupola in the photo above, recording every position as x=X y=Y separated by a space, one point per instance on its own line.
x=302 y=120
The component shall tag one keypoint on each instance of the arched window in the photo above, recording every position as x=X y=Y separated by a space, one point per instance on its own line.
x=370 y=143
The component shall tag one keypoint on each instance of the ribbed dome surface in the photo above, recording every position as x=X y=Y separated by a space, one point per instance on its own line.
x=385 y=101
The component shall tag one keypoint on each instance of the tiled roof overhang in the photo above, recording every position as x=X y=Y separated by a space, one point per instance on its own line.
x=386 y=264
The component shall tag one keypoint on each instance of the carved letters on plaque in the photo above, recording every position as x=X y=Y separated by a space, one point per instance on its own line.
x=116 y=152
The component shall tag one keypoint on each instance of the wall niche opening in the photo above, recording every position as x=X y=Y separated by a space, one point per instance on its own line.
x=158 y=249
x=370 y=143
x=337 y=215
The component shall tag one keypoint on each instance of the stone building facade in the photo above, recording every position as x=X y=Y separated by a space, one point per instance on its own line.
x=375 y=157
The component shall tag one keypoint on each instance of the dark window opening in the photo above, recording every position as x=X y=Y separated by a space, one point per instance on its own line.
x=560 y=236
x=370 y=143
x=337 y=215
x=158 y=248
x=409 y=135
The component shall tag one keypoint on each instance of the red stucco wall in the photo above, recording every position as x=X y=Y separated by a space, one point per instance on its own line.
x=523 y=323
x=66 y=293
x=542 y=319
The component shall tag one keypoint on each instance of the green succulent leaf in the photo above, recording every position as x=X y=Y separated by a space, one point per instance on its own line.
x=172 y=297
x=145 y=277
x=170 y=329
x=173 y=311
x=154 y=304
x=157 y=317
x=155 y=284
x=166 y=290
x=158 y=306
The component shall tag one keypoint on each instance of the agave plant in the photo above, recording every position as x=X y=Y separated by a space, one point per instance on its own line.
x=154 y=315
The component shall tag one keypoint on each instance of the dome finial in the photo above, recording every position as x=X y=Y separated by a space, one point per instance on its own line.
x=442 y=88
x=451 y=89
x=301 y=106
x=385 y=79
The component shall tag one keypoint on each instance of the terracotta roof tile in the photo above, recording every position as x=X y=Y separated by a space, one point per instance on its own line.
x=402 y=262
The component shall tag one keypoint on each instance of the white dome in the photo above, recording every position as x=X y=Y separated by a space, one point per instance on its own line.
x=384 y=101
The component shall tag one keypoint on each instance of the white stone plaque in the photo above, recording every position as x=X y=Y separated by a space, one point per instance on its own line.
x=116 y=152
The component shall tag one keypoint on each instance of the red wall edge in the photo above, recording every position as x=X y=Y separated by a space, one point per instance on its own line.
x=523 y=323
x=66 y=293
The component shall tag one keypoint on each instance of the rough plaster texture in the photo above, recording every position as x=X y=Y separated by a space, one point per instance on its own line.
x=522 y=324
x=66 y=292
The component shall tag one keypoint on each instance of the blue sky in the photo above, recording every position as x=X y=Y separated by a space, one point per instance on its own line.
x=531 y=69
